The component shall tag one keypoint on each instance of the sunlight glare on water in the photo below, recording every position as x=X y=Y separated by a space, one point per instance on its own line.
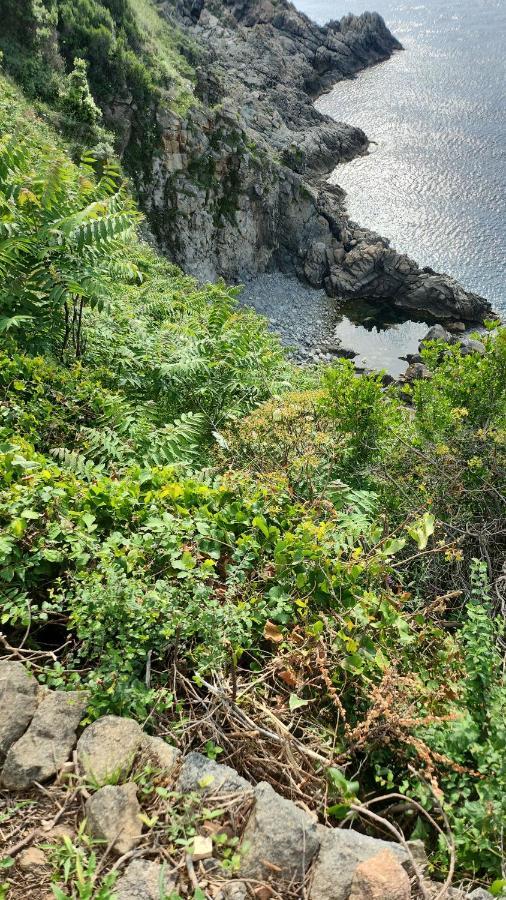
x=434 y=180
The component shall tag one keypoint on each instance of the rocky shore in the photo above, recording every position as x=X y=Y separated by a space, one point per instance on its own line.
x=238 y=187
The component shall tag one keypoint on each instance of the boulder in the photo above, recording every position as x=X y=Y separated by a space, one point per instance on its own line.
x=280 y=840
x=161 y=755
x=198 y=773
x=107 y=748
x=341 y=851
x=18 y=702
x=480 y=894
x=46 y=745
x=112 y=815
x=380 y=878
x=417 y=372
x=144 y=880
x=469 y=346
x=456 y=327
x=436 y=333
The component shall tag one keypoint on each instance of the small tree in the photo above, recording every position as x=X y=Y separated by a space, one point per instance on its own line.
x=65 y=241
x=77 y=102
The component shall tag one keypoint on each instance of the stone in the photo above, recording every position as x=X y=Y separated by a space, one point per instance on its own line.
x=280 y=840
x=106 y=749
x=236 y=891
x=412 y=358
x=417 y=372
x=162 y=755
x=380 y=878
x=456 y=327
x=144 y=880
x=202 y=847
x=46 y=745
x=18 y=702
x=480 y=894
x=341 y=851
x=32 y=858
x=198 y=773
x=419 y=853
x=436 y=333
x=469 y=346
x=112 y=814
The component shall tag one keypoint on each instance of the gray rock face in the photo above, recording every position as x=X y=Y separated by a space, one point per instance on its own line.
x=198 y=773
x=341 y=851
x=480 y=894
x=46 y=745
x=18 y=702
x=107 y=748
x=416 y=372
x=279 y=841
x=112 y=814
x=144 y=880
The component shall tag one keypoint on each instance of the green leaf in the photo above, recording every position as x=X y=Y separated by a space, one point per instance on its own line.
x=338 y=811
x=296 y=702
x=421 y=530
x=260 y=523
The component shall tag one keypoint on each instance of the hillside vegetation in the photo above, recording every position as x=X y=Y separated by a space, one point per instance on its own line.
x=192 y=525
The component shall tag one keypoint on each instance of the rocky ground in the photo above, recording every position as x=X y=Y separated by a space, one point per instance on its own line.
x=111 y=804
x=312 y=326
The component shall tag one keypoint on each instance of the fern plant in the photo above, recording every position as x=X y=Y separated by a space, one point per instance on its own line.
x=64 y=243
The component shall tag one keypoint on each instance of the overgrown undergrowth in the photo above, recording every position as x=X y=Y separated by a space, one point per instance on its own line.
x=213 y=540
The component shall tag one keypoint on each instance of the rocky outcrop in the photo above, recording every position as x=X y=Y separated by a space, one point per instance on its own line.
x=236 y=187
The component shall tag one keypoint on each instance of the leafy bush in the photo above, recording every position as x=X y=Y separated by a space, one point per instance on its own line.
x=63 y=243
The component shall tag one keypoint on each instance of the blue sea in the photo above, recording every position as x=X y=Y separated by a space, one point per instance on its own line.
x=434 y=180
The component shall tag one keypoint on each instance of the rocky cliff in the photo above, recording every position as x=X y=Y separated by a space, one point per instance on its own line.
x=238 y=185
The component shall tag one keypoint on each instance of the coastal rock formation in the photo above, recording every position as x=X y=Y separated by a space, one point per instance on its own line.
x=237 y=186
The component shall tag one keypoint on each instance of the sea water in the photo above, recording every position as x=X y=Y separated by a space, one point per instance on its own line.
x=434 y=179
